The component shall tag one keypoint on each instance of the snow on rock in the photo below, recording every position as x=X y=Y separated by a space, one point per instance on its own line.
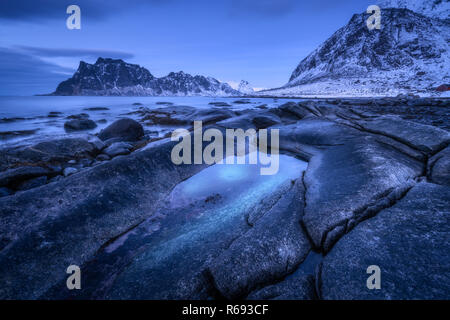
x=409 y=54
x=109 y=77
x=245 y=87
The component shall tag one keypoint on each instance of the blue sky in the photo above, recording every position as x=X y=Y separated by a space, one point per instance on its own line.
x=260 y=41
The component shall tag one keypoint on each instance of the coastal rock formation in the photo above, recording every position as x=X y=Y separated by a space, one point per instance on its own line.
x=374 y=191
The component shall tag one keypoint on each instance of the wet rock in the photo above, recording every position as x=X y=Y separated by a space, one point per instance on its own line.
x=172 y=116
x=99 y=203
x=96 y=109
x=98 y=144
x=211 y=116
x=117 y=149
x=5 y=192
x=423 y=137
x=78 y=125
x=164 y=103
x=270 y=250
x=348 y=183
x=55 y=179
x=54 y=114
x=265 y=121
x=243 y=101
x=32 y=183
x=220 y=104
x=8 y=120
x=79 y=116
x=439 y=167
x=69 y=171
x=55 y=150
x=298 y=286
x=85 y=163
x=103 y=157
x=17 y=133
x=17 y=175
x=125 y=129
x=408 y=241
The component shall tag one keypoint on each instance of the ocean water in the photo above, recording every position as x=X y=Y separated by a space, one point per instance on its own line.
x=18 y=114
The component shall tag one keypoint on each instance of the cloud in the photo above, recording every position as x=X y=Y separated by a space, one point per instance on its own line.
x=64 y=52
x=23 y=74
x=32 y=10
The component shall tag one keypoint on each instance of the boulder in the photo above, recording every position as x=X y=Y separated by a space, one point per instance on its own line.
x=78 y=116
x=69 y=171
x=78 y=125
x=117 y=149
x=14 y=177
x=126 y=129
x=96 y=109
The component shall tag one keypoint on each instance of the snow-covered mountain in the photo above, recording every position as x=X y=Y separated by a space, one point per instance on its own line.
x=245 y=87
x=410 y=53
x=432 y=8
x=109 y=77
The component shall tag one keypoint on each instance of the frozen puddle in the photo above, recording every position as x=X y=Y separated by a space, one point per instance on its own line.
x=164 y=256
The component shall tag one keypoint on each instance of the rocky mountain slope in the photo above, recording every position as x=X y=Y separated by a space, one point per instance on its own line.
x=109 y=77
x=410 y=53
x=433 y=8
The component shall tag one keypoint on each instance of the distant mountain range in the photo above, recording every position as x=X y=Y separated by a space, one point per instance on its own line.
x=410 y=53
x=115 y=77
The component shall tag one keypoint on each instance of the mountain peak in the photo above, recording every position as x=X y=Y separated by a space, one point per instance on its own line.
x=432 y=8
x=409 y=53
x=101 y=60
x=116 y=77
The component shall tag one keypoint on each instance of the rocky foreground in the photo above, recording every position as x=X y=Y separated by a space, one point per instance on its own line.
x=376 y=192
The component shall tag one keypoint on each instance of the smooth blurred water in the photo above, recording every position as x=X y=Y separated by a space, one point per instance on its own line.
x=35 y=110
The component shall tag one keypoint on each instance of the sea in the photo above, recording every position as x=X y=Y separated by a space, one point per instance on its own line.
x=26 y=120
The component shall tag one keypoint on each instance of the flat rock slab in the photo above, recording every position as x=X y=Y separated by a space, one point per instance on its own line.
x=298 y=286
x=348 y=183
x=45 y=230
x=410 y=242
x=439 y=167
x=270 y=250
x=423 y=137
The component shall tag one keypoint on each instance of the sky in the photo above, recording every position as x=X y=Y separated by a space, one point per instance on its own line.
x=260 y=41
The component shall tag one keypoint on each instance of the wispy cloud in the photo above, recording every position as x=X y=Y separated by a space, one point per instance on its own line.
x=23 y=74
x=66 y=52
